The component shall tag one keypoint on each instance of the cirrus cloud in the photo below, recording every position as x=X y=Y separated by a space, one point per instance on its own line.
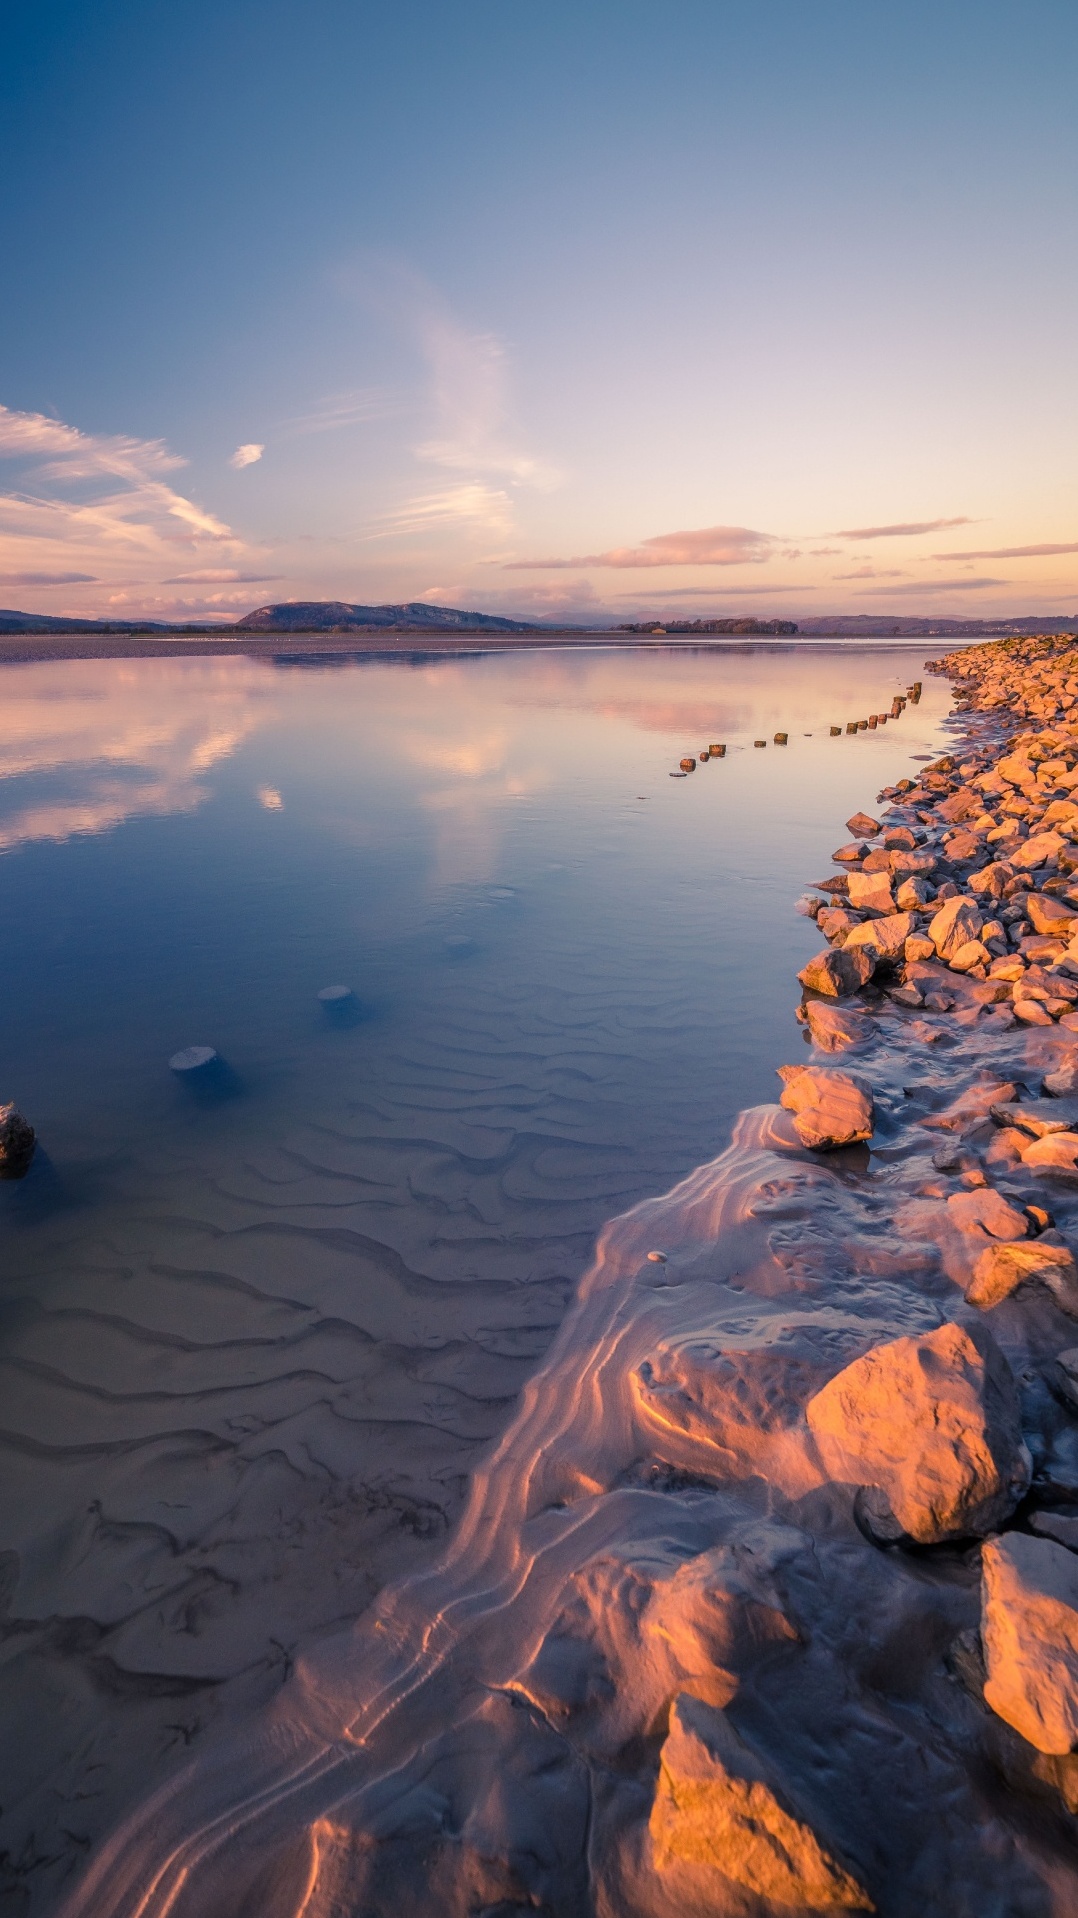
x=1013 y=552
x=903 y=529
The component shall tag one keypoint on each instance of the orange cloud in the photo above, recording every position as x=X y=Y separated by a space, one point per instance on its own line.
x=706 y=546
x=1012 y=552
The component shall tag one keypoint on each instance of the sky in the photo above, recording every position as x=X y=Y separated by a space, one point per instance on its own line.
x=692 y=307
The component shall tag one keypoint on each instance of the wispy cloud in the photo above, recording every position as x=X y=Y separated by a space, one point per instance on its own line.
x=47 y=579
x=472 y=504
x=220 y=576
x=903 y=529
x=467 y=399
x=1013 y=552
x=100 y=510
x=870 y=572
x=706 y=546
x=340 y=410
x=247 y=455
x=923 y=586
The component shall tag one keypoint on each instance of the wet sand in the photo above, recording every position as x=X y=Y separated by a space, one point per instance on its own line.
x=706 y=1582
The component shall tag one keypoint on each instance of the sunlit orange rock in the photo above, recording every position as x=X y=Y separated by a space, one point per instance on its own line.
x=1001 y=1268
x=714 y=1806
x=837 y=973
x=931 y=1424
x=830 y=1108
x=1029 y=1633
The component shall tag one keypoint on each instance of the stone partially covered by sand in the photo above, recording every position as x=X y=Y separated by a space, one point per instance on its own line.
x=830 y=1108
x=932 y=1424
x=715 y=1806
x=1029 y=1633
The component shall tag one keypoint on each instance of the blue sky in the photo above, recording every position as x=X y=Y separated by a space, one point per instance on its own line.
x=694 y=304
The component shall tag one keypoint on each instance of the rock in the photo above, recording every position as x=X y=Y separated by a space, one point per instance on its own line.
x=1031 y=1012
x=1056 y=1151
x=714 y=1806
x=17 y=1142
x=830 y=1108
x=1001 y=1268
x=1029 y=1633
x=912 y=865
x=917 y=947
x=913 y=895
x=833 y=1030
x=887 y=936
x=971 y=954
x=955 y=924
x=906 y=996
x=836 y=973
x=931 y=1425
x=871 y=892
x=1038 y=1117
x=989 y=883
x=862 y=827
x=1048 y=915
x=962 y=846
x=877 y=861
x=835 y=922
x=1063 y=1081
x=850 y=855
x=192 y=1059
x=1037 y=850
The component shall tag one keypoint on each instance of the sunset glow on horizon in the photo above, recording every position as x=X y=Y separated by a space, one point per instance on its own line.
x=643 y=313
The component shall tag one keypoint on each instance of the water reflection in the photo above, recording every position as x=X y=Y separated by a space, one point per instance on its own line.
x=88 y=745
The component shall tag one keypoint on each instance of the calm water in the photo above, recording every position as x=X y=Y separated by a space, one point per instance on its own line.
x=252 y=1343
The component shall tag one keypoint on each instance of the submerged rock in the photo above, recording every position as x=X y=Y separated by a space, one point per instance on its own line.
x=835 y=1029
x=837 y=973
x=930 y=1425
x=715 y=1806
x=1029 y=1632
x=830 y=1108
x=17 y=1142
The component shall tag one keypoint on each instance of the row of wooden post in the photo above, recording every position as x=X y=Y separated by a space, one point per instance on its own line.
x=911 y=697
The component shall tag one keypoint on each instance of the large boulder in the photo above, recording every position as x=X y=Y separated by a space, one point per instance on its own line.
x=954 y=925
x=886 y=936
x=1029 y=1633
x=871 y=892
x=1046 y=914
x=830 y=1108
x=929 y=1427
x=1039 y=850
x=715 y=1806
x=837 y=973
x=862 y=826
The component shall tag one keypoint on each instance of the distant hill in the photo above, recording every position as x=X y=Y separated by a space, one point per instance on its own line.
x=13 y=622
x=335 y=616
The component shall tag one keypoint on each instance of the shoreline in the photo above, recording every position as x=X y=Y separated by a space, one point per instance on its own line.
x=20 y=649
x=778 y=1555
